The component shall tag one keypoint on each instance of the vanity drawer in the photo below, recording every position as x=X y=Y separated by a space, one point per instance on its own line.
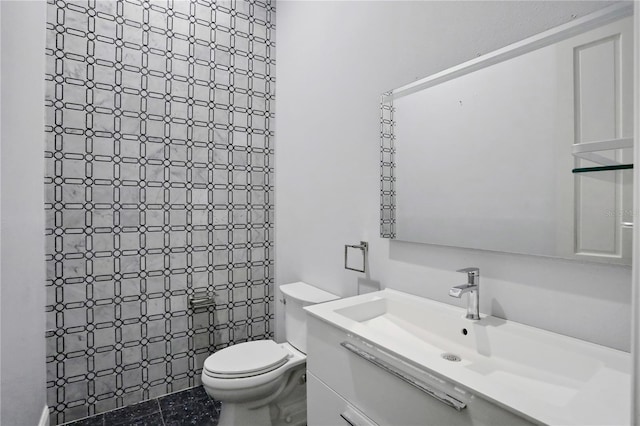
x=327 y=408
x=387 y=398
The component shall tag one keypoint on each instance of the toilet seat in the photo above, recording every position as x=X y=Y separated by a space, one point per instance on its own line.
x=246 y=360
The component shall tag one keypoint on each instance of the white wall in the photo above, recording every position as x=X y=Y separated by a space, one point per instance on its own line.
x=22 y=212
x=334 y=60
x=635 y=319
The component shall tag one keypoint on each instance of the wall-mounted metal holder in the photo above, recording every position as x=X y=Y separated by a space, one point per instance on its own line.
x=201 y=299
x=364 y=248
x=438 y=394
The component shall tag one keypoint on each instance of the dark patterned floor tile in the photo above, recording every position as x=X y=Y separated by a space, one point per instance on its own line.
x=154 y=419
x=127 y=415
x=184 y=397
x=97 y=420
x=195 y=420
x=196 y=413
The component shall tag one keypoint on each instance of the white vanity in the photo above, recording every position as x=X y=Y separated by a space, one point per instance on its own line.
x=391 y=358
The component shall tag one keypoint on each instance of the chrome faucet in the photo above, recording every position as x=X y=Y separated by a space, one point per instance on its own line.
x=473 y=288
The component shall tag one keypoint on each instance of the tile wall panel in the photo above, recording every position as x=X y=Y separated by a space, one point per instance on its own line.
x=159 y=168
x=387 y=167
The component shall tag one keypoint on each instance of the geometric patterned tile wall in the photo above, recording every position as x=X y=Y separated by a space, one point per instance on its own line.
x=387 y=167
x=159 y=184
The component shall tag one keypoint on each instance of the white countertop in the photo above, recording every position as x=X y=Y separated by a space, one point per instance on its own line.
x=543 y=376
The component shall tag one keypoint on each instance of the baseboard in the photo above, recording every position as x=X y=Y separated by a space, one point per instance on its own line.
x=44 y=418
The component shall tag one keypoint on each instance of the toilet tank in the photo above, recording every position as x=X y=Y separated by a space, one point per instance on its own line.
x=297 y=296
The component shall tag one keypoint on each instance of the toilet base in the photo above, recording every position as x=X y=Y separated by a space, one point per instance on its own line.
x=267 y=415
x=240 y=414
x=289 y=409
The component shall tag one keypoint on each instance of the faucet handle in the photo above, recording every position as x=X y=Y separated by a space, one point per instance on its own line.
x=473 y=275
x=471 y=270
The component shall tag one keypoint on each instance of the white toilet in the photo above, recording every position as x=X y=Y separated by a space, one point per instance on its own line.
x=263 y=383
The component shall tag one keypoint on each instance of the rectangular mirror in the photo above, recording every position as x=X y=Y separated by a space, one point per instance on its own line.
x=525 y=150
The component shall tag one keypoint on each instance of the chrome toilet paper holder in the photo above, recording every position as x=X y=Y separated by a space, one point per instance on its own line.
x=364 y=249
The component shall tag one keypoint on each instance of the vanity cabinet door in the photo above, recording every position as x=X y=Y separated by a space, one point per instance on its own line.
x=327 y=408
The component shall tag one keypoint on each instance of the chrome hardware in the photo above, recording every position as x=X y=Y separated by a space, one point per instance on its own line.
x=201 y=299
x=627 y=224
x=451 y=357
x=364 y=247
x=472 y=273
x=347 y=419
x=413 y=381
x=353 y=418
x=473 y=288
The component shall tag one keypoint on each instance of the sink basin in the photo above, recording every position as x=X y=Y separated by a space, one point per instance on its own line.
x=544 y=376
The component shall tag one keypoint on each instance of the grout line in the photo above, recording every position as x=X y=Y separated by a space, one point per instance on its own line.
x=161 y=412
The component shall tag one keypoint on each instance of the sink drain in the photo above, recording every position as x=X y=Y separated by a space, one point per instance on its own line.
x=451 y=357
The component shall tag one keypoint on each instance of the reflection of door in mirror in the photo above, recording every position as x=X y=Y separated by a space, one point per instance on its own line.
x=484 y=160
x=602 y=104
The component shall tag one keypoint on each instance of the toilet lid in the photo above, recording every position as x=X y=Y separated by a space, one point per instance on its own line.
x=247 y=359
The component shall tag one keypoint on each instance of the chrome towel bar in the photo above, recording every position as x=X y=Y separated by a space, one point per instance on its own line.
x=413 y=381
